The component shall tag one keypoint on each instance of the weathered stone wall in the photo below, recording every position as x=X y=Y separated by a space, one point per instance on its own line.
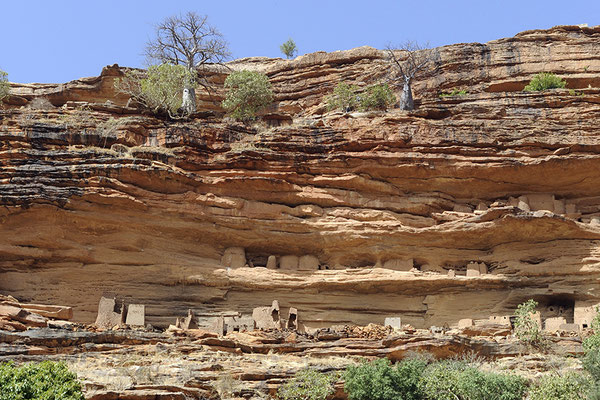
x=364 y=215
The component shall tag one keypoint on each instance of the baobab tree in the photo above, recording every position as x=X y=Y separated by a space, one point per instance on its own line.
x=188 y=40
x=408 y=60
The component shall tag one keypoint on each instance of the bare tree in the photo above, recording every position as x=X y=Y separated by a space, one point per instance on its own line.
x=408 y=60
x=191 y=41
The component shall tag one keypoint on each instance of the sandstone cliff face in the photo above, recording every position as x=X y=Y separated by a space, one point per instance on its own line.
x=97 y=197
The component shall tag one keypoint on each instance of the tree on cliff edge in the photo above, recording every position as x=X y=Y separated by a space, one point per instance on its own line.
x=408 y=60
x=188 y=40
x=4 y=86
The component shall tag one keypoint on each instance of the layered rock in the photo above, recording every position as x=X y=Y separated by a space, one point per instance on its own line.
x=99 y=197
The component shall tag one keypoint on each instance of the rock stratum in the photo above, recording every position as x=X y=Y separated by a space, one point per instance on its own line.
x=463 y=208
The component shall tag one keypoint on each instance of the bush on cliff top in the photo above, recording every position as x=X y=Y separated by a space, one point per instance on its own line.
x=4 y=87
x=545 y=80
x=44 y=381
x=248 y=93
x=159 y=89
x=344 y=98
x=377 y=97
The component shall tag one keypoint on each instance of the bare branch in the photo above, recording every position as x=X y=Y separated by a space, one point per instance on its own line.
x=188 y=40
x=407 y=61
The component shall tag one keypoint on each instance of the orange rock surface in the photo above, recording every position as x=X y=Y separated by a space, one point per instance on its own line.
x=99 y=197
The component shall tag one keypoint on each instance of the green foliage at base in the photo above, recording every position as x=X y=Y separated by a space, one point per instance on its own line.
x=545 y=80
x=4 y=87
x=450 y=380
x=44 y=381
x=159 y=89
x=377 y=97
x=571 y=386
x=379 y=380
x=416 y=380
x=248 y=93
x=308 y=384
x=527 y=329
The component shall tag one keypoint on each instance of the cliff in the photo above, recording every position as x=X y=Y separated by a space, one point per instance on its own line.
x=98 y=197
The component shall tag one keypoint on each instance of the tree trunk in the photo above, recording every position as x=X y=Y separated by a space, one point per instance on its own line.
x=406 y=98
x=189 y=100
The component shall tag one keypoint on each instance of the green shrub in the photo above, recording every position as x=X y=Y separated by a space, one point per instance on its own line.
x=379 y=380
x=571 y=386
x=4 y=86
x=593 y=342
x=308 y=384
x=453 y=93
x=289 y=48
x=451 y=380
x=543 y=81
x=377 y=97
x=527 y=329
x=159 y=89
x=344 y=98
x=248 y=93
x=591 y=363
x=44 y=381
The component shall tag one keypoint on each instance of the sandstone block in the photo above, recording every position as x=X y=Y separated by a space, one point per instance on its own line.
x=553 y=324
x=23 y=316
x=500 y=319
x=272 y=262
x=559 y=206
x=49 y=311
x=523 y=203
x=218 y=326
x=483 y=268
x=289 y=262
x=451 y=273
x=292 y=322
x=399 y=265
x=513 y=201
x=110 y=314
x=136 y=315
x=473 y=269
x=569 y=328
x=433 y=268
x=462 y=208
x=465 y=323
x=571 y=208
x=394 y=322
x=541 y=201
x=482 y=207
x=267 y=317
x=189 y=322
x=234 y=257
x=308 y=263
x=583 y=313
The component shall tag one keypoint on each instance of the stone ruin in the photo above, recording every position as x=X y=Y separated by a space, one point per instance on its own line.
x=533 y=202
x=394 y=322
x=112 y=313
x=267 y=317
x=235 y=257
x=399 y=264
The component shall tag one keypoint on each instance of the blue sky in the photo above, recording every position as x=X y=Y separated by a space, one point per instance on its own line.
x=61 y=40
